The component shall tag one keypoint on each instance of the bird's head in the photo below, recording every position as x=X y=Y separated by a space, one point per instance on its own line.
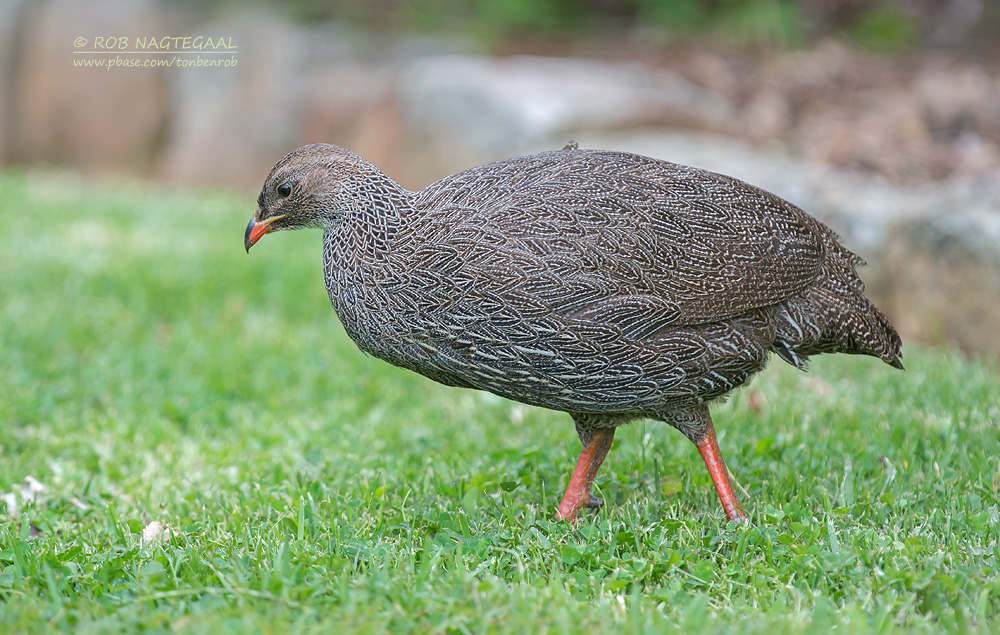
x=308 y=187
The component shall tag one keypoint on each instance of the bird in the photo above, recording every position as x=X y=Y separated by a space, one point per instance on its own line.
x=604 y=284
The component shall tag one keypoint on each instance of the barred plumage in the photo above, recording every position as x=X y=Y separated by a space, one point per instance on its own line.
x=604 y=284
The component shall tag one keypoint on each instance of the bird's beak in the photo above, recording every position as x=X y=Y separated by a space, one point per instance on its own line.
x=255 y=230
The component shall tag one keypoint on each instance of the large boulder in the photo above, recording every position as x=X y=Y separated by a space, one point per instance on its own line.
x=229 y=123
x=464 y=109
x=13 y=15
x=91 y=117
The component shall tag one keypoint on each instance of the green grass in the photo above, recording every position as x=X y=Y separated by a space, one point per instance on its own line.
x=153 y=371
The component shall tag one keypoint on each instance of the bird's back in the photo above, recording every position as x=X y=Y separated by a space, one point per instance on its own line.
x=605 y=281
x=609 y=225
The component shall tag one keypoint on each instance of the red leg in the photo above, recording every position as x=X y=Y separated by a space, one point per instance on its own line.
x=578 y=491
x=709 y=448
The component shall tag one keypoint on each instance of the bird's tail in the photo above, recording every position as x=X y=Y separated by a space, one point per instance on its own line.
x=834 y=316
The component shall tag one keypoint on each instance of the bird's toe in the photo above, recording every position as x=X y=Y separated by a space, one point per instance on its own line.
x=594 y=502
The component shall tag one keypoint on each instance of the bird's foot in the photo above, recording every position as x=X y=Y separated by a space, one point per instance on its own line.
x=578 y=493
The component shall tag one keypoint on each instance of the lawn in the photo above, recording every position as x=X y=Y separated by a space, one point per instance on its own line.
x=152 y=372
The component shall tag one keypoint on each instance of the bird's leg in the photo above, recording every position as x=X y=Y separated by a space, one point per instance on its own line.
x=698 y=427
x=710 y=452
x=596 y=443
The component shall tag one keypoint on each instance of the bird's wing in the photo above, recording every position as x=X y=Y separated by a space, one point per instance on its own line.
x=618 y=238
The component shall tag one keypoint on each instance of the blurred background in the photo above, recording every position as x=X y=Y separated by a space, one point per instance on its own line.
x=880 y=117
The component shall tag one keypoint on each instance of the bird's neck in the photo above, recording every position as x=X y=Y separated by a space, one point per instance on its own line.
x=377 y=207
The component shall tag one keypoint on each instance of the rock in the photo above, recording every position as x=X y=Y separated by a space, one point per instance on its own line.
x=228 y=123
x=307 y=85
x=945 y=265
x=93 y=118
x=475 y=109
x=351 y=104
x=13 y=18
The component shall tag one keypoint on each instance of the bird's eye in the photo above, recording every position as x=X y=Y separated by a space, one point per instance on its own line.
x=284 y=190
